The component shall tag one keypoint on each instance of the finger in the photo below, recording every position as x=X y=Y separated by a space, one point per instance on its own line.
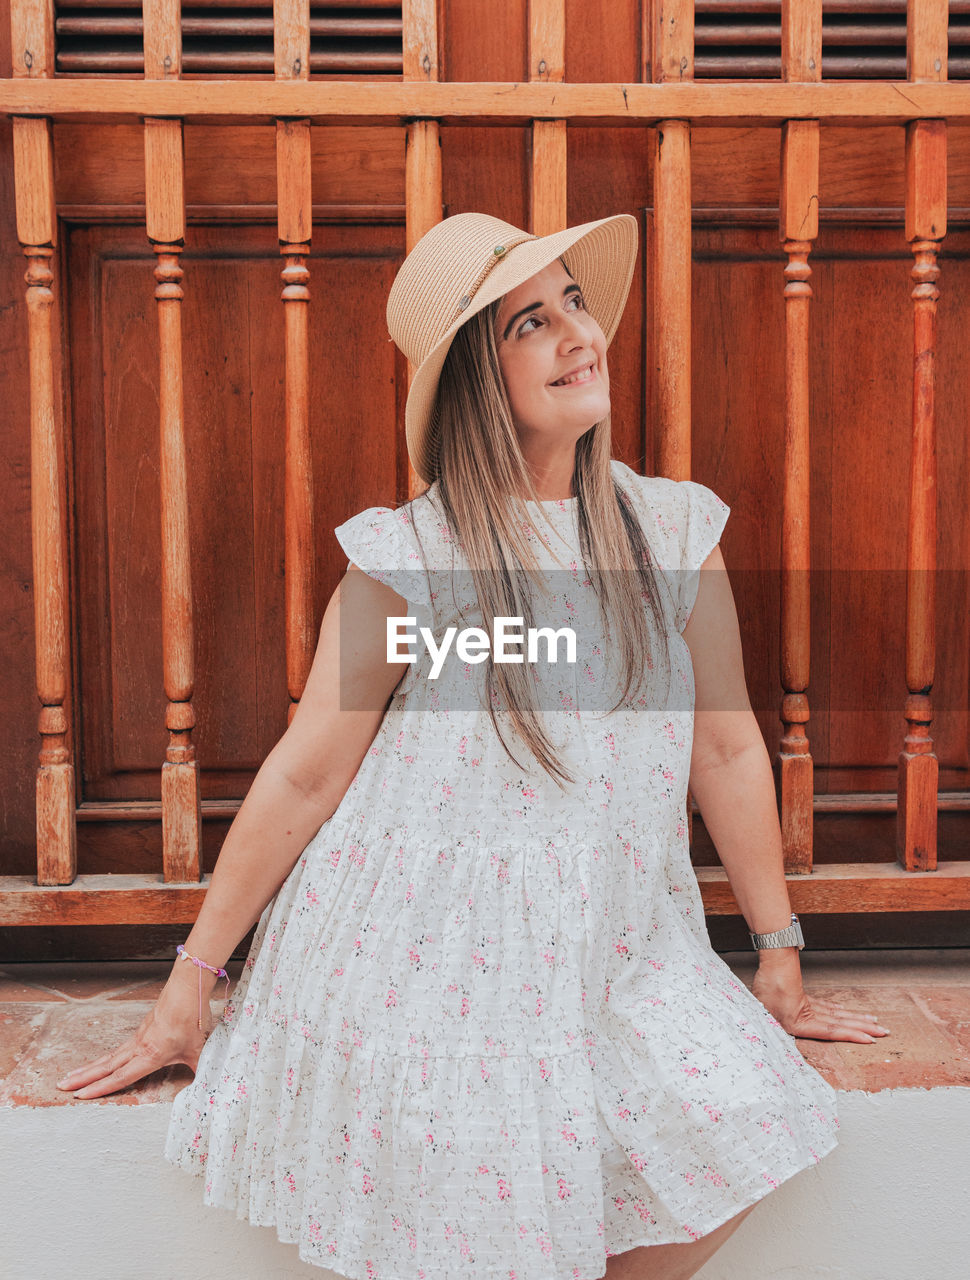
x=833 y=1029
x=133 y=1070
x=866 y=1020
x=94 y=1070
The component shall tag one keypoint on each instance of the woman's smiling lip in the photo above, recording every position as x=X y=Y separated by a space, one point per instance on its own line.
x=589 y=366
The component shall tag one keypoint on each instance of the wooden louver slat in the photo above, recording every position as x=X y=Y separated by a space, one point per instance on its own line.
x=861 y=39
x=733 y=39
x=99 y=37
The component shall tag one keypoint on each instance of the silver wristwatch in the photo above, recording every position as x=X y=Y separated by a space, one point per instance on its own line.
x=790 y=936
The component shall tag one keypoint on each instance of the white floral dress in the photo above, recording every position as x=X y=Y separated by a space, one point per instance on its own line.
x=481 y=1031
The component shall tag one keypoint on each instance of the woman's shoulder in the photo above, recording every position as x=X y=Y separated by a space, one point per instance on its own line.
x=656 y=489
x=413 y=535
x=675 y=514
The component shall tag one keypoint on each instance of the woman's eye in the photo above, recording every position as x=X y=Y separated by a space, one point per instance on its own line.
x=529 y=320
x=578 y=299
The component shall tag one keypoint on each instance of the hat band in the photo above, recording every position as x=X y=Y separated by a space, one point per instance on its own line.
x=496 y=256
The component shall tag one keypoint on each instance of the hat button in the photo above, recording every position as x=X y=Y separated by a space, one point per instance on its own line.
x=499 y=250
x=463 y=302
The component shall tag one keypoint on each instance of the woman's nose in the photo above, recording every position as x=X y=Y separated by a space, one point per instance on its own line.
x=573 y=331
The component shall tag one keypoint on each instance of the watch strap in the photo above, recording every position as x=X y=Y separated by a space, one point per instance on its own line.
x=790 y=936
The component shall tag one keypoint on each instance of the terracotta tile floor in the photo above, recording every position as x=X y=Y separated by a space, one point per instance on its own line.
x=54 y=1017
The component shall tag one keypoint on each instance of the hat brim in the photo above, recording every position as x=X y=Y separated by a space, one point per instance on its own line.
x=600 y=256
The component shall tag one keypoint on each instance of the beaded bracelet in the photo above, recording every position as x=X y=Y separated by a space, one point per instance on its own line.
x=201 y=964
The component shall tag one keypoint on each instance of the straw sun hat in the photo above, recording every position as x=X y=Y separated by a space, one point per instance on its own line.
x=467 y=261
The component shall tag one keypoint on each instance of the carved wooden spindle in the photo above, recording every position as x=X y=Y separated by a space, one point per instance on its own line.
x=794 y=756
x=916 y=826
x=293 y=151
x=181 y=802
x=165 y=226
x=547 y=62
x=423 y=196
x=294 y=201
x=926 y=162
x=798 y=227
x=37 y=232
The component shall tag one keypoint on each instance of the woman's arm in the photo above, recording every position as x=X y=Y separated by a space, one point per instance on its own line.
x=732 y=781
x=298 y=787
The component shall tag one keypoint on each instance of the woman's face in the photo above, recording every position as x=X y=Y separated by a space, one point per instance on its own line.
x=552 y=355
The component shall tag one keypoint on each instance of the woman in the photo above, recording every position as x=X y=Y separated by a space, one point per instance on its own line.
x=481 y=1030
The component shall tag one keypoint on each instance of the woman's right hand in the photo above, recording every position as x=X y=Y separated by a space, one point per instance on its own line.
x=169 y=1033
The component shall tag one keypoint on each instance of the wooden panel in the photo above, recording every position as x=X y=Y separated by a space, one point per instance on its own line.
x=102 y=165
x=603 y=41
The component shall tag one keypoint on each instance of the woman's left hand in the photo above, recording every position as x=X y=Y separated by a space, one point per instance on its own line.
x=778 y=985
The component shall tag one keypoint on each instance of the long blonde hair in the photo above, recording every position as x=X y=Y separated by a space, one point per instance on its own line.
x=481 y=470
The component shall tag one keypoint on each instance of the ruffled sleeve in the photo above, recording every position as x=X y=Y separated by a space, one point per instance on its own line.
x=700 y=523
x=683 y=522
x=382 y=543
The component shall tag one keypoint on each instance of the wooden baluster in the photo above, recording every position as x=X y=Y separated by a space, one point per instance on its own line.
x=669 y=56
x=916 y=820
x=32 y=29
x=291 y=25
x=547 y=62
x=801 y=60
x=165 y=224
x=672 y=53
x=422 y=169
